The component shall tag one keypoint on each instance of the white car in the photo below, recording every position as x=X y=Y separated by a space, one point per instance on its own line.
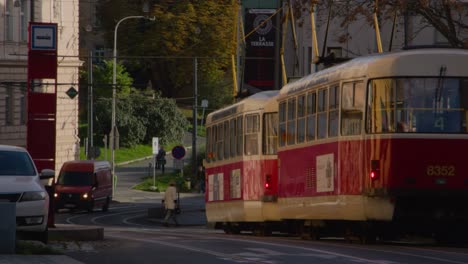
x=20 y=183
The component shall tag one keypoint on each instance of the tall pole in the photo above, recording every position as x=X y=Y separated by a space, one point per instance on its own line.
x=90 y=106
x=194 y=134
x=114 y=97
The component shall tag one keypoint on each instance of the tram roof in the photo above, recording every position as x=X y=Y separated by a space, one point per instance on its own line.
x=417 y=62
x=252 y=103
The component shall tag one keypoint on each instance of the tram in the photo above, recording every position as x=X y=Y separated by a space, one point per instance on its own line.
x=377 y=140
x=373 y=146
x=241 y=164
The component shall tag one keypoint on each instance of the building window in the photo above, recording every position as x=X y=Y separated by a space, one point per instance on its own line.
x=25 y=16
x=9 y=106
x=9 y=20
x=23 y=106
x=99 y=55
x=96 y=18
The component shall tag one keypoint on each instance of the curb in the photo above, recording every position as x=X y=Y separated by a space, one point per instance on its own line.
x=64 y=232
x=132 y=161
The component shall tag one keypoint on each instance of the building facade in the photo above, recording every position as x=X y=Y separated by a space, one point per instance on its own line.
x=16 y=15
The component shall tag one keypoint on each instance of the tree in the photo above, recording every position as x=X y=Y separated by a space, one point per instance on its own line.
x=161 y=117
x=448 y=17
x=182 y=30
x=103 y=82
x=140 y=117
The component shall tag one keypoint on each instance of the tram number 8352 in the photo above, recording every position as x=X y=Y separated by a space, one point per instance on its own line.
x=436 y=170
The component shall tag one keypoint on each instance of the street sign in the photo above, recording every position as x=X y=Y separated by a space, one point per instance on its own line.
x=155 y=145
x=178 y=152
x=72 y=92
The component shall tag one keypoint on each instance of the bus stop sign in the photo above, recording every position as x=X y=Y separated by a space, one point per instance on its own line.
x=178 y=152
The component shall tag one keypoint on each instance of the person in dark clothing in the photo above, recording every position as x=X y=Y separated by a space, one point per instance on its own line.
x=161 y=159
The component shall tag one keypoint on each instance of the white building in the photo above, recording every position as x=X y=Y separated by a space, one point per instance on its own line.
x=16 y=14
x=356 y=38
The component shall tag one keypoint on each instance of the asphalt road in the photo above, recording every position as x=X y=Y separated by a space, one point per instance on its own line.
x=131 y=238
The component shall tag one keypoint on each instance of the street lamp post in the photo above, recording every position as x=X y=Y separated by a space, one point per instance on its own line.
x=114 y=95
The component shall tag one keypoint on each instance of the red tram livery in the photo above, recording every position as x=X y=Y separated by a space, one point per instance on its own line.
x=241 y=163
x=372 y=146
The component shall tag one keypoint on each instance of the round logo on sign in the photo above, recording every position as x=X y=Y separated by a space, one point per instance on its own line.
x=178 y=152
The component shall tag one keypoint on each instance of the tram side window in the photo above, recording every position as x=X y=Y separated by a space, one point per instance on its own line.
x=214 y=142
x=311 y=116
x=270 y=133
x=219 y=143
x=380 y=109
x=209 y=153
x=301 y=118
x=351 y=109
x=291 y=129
x=252 y=128
x=282 y=124
x=233 y=137
x=240 y=136
x=322 y=114
x=334 y=104
x=226 y=139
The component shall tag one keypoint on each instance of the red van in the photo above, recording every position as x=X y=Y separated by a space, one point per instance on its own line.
x=84 y=184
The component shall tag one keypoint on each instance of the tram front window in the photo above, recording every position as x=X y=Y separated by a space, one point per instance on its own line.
x=418 y=105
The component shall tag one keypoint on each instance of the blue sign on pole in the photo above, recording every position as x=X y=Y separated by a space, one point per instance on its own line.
x=178 y=152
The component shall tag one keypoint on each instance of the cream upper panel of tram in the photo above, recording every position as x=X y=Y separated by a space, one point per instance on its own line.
x=421 y=62
x=252 y=103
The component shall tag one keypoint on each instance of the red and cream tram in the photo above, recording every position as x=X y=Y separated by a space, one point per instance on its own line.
x=371 y=145
x=241 y=164
x=379 y=141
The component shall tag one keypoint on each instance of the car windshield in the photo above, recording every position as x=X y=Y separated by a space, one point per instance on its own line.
x=76 y=178
x=16 y=163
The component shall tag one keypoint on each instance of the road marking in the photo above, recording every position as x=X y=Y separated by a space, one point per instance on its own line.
x=241 y=258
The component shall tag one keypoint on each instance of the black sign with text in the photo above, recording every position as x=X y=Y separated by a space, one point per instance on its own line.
x=260 y=48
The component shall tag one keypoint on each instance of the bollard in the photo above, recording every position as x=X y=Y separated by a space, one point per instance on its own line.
x=8 y=228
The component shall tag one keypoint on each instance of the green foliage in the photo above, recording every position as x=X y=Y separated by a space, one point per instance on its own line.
x=182 y=30
x=123 y=154
x=102 y=79
x=140 y=117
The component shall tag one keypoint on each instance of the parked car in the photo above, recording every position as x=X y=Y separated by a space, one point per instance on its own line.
x=20 y=183
x=84 y=184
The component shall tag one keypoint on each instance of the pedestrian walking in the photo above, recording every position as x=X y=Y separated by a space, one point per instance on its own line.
x=201 y=178
x=170 y=200
x=161 y=159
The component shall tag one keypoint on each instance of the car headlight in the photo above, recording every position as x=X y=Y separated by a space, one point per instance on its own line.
x=33 y=196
